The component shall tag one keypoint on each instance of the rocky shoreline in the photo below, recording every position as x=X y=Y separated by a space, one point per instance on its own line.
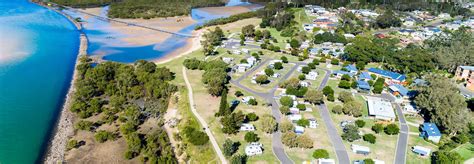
x=64 y=126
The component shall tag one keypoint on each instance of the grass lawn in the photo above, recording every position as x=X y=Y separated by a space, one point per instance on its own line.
x=274 y=81
x=319 y=136
x=466 y=151
x=413 y=158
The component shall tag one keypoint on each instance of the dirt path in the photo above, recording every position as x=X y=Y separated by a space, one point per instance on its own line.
x=201 y=120
x=470 y=161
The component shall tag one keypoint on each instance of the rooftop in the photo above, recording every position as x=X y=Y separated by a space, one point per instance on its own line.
x=400 y=89
x=468 y=67
x=392 y=75
x=351 y=68
x=380 y=107
x=431 y=129
x=363 y=85
x=365 y=76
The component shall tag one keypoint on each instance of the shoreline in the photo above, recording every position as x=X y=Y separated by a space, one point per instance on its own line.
x=192 y=44
x=62 y=129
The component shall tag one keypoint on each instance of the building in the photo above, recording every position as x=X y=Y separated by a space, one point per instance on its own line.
x=421 y=150
x=304 y=84
x=227 y=60
x=294 y=117
x=312 y=123
x=251 y=60
x=326 y=161
x=360 y=149
x=311 y=75
x=363 y=86
x=466 y=73
x=393 y=77
x=247 y=127
x=430 y=132
x=400 y=92
x=375 y=161
x=243 y=67
x=247 y=99
x=365 y=76
x=351 y=68
x=409 y=108
x=253 y=148
x=340 y=73
x=299 y=129
x=294 y=110
x=380 y=108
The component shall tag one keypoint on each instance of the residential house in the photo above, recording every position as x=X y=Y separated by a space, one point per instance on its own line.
x=247 y=127
x=311 y=75
x=305 y=83
x=351 y=68
x=400 y=92
x=326 y=161
x=246 y=51
x=340 y=73
x=349 y=36
x=363 y=86
x=466 y=73
x=243 y=67
x=294 y=110
x=380 y=108
x=365 y=76
x=252 y=61
x=430 y=132
x=247 y=99
x=227 y=60
x=360 y=149
x=423 y=151
x=294 y=117
x=299 y=129
x=409 y=108
x=254 y=148
x=392 y=77
x=312 y=123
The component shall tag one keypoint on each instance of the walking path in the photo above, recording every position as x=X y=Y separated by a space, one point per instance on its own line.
x=201 y=120
x=336 y=139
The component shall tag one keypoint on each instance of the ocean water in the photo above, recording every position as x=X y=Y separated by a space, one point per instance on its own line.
x=38 y=48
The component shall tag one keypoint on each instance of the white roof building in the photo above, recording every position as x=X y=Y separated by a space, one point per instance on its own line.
x=312 y=123
x=326 y=161
x=243 y=67
x=304 y=84
x=311 y=75
x=253 y=148
x=299 y=129
x=360 y=149
x=227 y=60
x=247 y=99
x=251 y=60
x=247 y=127
x=421 y=150
x=380 y=108
x=294 y=117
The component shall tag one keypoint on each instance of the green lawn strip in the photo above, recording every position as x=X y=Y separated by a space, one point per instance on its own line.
x=466 y=151
x=415 y=158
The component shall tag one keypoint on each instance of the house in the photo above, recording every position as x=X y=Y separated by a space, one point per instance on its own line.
x=243 y=67
x=304 y=84
x=380 y=108
x=363 y=86
x=351 y=68
x=314 y=51
x=360 y=149
x=430 y=132
x=294 y=110
x=312 y=123
x=349 y=36
x=276 y=75
x=365 y=76
x=399 y=91
x=409 y=108
x=253 y=148
x=294 y=117
x=227 y=60
x=423 y=151
x=340 y=73
x=299 y=129
x=392 y=76
x=247 y=127
x=251 y=60
x=311 y=75
x=326 y=161
x=375 y=161
x=244 y=50
x=247 y=99
x=466 y=73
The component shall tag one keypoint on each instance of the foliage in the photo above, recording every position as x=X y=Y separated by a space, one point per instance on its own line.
x=102 y=136
x=286 y=126
x=72 y=144
x=377 y=128
x=284 y=110
x=378 y=85
x=337 y=109
x=304 y=141
x=262 y=79
x=224 y=108
x=230 y=19
x=303 y=122
x=269 y=72
x=351 y=133
x=252 y=102
x=251 y=137
x=301 y=107
x=440 y=157
x=268 y=124
x=215 y=76
x=320 y=153
x=344 y=84
x=314 y=96
x=284 y=59
x=286 y=101
x=238 y=93
x=369 y=161
x=388 y=19
x=352 y=108
x=369 y=138
x=360 y=123
x=443 y=104
x=238 y=159
x=251 y=117
x=345 y=96
x=84 y=125
x=327 y=90
x=230 y=147
x=329 y=37
x=211 y=40
x=231 y=123
x=195 y=136
x=278 y=65
x=392 y=129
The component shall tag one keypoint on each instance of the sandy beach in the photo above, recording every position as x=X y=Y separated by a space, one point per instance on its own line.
x=136 y=36
x=229 y=10
x=192 y=44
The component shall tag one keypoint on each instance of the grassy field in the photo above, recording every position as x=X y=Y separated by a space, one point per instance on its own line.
x=413 y=158
x=274 y=81
x=466 y=151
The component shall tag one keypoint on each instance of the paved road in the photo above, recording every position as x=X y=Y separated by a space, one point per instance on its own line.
x=402 y=142
x=336 y=139
x=277 y=145
x=201 y=120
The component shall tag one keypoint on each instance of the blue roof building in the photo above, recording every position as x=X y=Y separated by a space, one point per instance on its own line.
x=314 y=51
x=388 y=74
x=430 y=132
x=365 y=76
x=341 y=73
x=351 y=68
x=399 y=90
x=363 y=85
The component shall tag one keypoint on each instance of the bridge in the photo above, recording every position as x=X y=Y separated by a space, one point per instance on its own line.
x=126 y=23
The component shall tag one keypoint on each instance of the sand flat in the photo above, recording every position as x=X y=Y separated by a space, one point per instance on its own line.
x=228 y=10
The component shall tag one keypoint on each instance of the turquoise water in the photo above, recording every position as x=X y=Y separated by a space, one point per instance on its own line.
x=38 y=48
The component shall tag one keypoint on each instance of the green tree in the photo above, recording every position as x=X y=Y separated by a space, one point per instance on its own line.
x=392 y=129
x=102 y=136
x=278 y=66
x=327 y=90
x=229 y=147
x=289 y=139
x=351 y=133
x=239 y=159
x=344 y=84
x=248 y=30
x=352 y=108
x=301 y=107
x=304 y=141
x=268 y=124
x=337 y=109
x=314 y=96
x=303 y=122
x=286 y=126
x=360 y=123
x=195 y=136
x=377 y=128
x=269 y=72
x=369 y=138
x=345 y=96
x=251 y=137
x=320 y=153
x=305 y=69
x=284 y=59
x=369 y=161
x=262 y=79
x=295 y=44
x=444 y=105
x=286 y=101
x=231 y=123
x=284 y=110
x=72 y=144
x=251 y=117
x=238 y=93
x=441 y=156
x=388 y=19
x=223 y=106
